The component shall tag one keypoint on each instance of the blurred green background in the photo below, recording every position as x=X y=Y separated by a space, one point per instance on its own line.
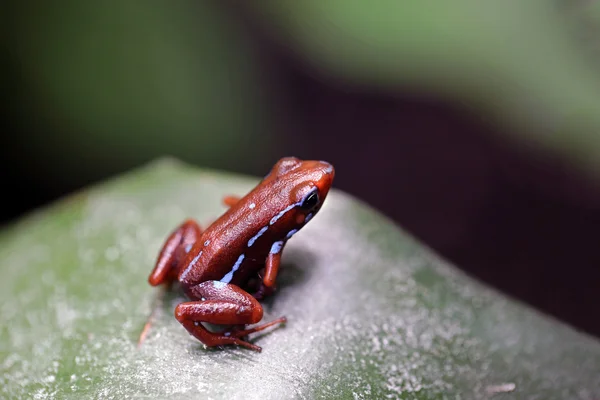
x=475 y=125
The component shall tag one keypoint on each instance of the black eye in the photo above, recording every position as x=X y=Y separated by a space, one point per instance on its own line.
x=310 y=201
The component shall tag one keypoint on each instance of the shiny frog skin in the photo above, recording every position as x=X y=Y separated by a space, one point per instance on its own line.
x=213 y=266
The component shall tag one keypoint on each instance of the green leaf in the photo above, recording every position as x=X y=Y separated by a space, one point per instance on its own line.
x=372 y=313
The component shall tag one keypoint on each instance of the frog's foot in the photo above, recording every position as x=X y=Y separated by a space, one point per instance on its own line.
x=222 y=304
x=238 y=332
x=231 y=201
x=263 y=291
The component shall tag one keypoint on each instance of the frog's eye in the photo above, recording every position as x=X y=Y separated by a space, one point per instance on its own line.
x=310 y=201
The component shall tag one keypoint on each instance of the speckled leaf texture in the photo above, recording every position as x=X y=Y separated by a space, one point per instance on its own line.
x=372 y=313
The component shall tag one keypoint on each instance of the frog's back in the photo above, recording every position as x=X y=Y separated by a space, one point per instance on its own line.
x=238 y=242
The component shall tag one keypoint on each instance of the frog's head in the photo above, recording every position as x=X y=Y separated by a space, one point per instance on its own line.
x=306 y=182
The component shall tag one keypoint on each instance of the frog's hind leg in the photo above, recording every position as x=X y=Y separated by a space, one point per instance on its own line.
x=179 y=242
x=222 y=304
x=167 y=265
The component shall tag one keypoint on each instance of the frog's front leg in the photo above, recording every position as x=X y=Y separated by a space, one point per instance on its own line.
x=267 y=285
x=179 y=242
x=222 y=304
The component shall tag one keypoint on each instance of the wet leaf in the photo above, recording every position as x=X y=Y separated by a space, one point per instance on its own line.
x=372 y=313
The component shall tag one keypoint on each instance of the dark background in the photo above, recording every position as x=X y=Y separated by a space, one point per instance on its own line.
x=522 y=218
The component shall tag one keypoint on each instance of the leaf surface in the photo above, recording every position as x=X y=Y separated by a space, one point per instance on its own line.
x=372 y=313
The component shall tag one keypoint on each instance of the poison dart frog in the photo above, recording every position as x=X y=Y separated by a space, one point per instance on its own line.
x=214 y=266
